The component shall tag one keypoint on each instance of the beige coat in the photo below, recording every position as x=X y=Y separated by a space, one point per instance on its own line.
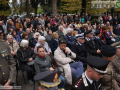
x=15 y=46
x=63 y=63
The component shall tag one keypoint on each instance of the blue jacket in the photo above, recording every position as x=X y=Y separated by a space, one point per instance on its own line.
x=17 y=38
x=53 y=45
x=69 y=41
x=19 y=34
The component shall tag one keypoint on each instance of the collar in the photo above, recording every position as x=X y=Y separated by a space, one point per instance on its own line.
x=87 y=39
x=79 y=43
x=91 y=81
x=97 y=37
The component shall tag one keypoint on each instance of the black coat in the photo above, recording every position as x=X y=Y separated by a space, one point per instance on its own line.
x=24 y=55
x=80 y=51
x=99 y=43
x=53 y=45
x=90 y=45
x=80 y=85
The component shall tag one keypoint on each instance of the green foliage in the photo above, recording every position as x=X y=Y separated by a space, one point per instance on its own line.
x=47 y=9
x=94 y=21
x=40 y=10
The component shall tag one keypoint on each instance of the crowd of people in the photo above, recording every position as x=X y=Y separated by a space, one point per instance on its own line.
x=70 y=44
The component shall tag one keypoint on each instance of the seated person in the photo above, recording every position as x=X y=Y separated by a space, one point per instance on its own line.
x=48 y=80
x=64 y=58
x=13 y=45
x=48 y=36
x=36 y=35
x=79 y=49
x=42 y=63
x=25 y=55
x=54 y=42
x=69 y=38
x=99 y=43
x=16 y=37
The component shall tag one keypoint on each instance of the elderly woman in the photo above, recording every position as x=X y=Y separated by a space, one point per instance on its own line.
x=26 y=56
x=36 y=35
x=49 y=36
x=13 y=45
x=54 y=42
x=42 y=63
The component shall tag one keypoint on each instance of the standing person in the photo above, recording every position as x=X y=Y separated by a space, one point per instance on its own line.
x=90 y=79
x=108 y=81
x=7 y=66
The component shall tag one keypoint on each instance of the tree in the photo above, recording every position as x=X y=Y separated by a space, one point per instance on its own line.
x=70 y=6
x=28 y=8
x=54 y=7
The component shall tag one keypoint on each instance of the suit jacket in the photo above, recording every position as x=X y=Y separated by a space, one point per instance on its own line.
x=82 y=83
x=70 y=41
x=63 y=63
x=99 y=43
x=80 y=51
x=53 y=45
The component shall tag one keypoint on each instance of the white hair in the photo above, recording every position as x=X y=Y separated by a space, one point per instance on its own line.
x=27 y=29
x=23 y=43
x=9 y=36
x=69 y=30
x=60 y=27
x=36 y=34
x=0 y=21
x=41 y=38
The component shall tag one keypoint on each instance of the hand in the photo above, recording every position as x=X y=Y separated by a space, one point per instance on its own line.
x=51 y=69
x=98 y=51
x=7 y=86
x=14 y=53
x=48 y=53
x=67 y=51
x=30 y=59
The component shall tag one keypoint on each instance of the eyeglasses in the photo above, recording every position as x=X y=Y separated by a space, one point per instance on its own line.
x=41 y=51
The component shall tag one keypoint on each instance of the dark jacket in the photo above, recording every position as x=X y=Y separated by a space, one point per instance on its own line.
x=53 y=45
x=7 y=64
x=80 y=51
x=24 y=55
x=48 y=38
x=70 y=41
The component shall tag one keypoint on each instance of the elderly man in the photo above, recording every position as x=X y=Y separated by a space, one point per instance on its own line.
x=89 y=80
x=7 y=66
x=77 y=29
x=13 y=45
x=90 y=45
x=64 y=58
x=41 y=41
x=60 y=32
x=69 y=38
x=80 y=49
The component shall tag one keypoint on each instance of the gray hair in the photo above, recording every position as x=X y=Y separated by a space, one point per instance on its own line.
x=60 y=27
x=36 y=34
x=27 y=29
x=69 y=30
x=0 y=21
x=23 y=43
x=9 y=36
x=41 y=38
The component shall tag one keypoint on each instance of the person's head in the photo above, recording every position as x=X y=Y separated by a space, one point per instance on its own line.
x=98 y=33
x=20 y=30
x=25 y=35
x=14 y=33
x=104 y=28
x=70 y=31
x=18 y=20
x=76 y=27
x=10 y=29
x=1 y=35
x=24 y=43
x=90 y=35
x=49 y=32
x=41 y=51
x=60 y=28
x=39 y=30
x=36 y=35
x=108 y=52
x=10 y=38
x=81 y=39
x=110 y=28
x=48 y=24
x=62 y=44
x=28 y=30
x=55 y=35
x=41 y=39
x=93 y=75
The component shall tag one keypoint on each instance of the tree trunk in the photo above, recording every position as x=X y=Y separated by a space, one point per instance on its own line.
x=83 y=6
x=28 y=8
x=54 y=7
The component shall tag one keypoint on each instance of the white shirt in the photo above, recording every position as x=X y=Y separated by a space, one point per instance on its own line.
x=91 y=81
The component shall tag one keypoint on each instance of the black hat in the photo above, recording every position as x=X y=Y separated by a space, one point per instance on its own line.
x=87 y=32
x=48 y=78
x=97 y=32
x=98 y=64
x=79 y=36
x=108 y=51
